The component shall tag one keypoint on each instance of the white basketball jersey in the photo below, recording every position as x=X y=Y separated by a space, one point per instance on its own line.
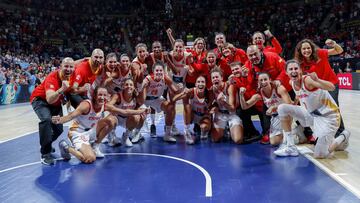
x=316 y=101
x=117 y=84
x=198 y=106
x=85 y=122
x=274 y=98
x=180 y=64
x=155 y=88
x=124 y=104
x=137 y=61
x=224 y=91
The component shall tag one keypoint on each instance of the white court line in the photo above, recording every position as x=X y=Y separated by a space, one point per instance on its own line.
x=208 y=181
x=20 y=166
x=13 y=138
x=208 y=184
x=333 y=175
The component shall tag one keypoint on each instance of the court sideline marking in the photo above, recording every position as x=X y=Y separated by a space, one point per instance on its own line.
x=332 y=174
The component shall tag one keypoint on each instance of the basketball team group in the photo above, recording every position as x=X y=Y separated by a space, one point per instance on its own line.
x=219 y=90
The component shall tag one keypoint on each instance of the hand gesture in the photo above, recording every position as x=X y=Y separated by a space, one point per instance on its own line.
x=87 y=86
x=270 y=110
x=244 y=71
x=180 y=86
x=331 y=43
x=277 y=83
x=56 y=119
x=268 y=34
x=169 y=31
x=242 y=90
x=65 y=85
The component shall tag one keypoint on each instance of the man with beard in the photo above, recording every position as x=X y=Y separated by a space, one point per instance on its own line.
x=272 y=64
x=85 y=74
x=46 y=101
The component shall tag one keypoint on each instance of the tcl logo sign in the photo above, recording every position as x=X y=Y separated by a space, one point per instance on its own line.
x=345 y=81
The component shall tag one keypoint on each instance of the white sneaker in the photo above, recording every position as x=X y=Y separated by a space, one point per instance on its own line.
x=169 y=138
x=342 y=146
x=287 y=151
x=113 y=140
x=188 y=138
x=175 y=130
x=98 y=153
x=126 y=141
x=137 y=136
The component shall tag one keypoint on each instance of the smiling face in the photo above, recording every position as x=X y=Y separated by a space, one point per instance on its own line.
x=179 y=48
x=258 y=39
x=264 y=80
x=128 y=87
x=158 y=72
x=236 y=70
x=125 y=61
x=97 y=57
x=293 y=70
x=220 y=40
x=211 y=58
x=306 y=50
x=156 y=48
x=67 y=67
x=226 y=51
x=141 y=53
x=111 y=63
x=200 y=83
x=216 y=79
x=101 y=96
x=200 y=44
x=254 y=54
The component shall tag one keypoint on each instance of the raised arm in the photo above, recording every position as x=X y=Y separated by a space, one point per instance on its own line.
x=249 y=103
x=52 y=96
x=170 y=36
x=314 y=82
x=335 y=48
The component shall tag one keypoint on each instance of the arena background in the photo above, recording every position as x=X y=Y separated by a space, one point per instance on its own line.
x=36 y=34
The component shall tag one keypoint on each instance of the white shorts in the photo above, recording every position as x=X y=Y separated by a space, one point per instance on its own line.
x=198 y=117
x=275 y=126
x=324 y=127
x=86 y=137
x=220 y=120
x=155 y=103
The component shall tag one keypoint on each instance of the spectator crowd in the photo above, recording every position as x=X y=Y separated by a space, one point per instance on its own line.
x=36 y=34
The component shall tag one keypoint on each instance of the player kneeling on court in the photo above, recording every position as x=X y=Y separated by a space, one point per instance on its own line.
x=88 y=128
x=272 y=97
x=317 y=110
x=128 y=99
x=224 y=95
x=198 y=99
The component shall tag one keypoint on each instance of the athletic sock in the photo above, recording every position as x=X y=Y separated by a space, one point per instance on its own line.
x=340 y=139
x=152 y=116
x=168 y=130
x=187 y=129
x=289 y=138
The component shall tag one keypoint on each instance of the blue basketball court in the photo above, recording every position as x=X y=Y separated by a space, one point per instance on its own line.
x=155 y=171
